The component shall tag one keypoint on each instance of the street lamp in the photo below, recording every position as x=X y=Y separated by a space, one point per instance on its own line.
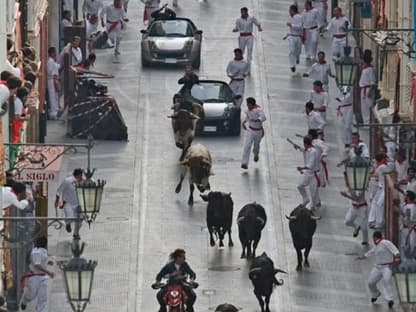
x=90 y=192
x=78 y=275
x=345 y=70
x=357 y=174
x=405 y=278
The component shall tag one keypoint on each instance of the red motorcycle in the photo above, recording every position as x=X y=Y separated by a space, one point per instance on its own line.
x=175 y=296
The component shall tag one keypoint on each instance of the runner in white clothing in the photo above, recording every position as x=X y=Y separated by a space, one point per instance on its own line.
x=314 y=119
x=310 y=19
x=321 y=71
x=237 y=70
x=295 y=43
x=338 y=25
x=150 y=6
x=323 y=149
x=253 y=124
x=357 y=216
x=310 y=174
x=244 y=25
x=322 y=7
x=36 y=281
x=386 y=255
x=320 y=98
x=115 y=18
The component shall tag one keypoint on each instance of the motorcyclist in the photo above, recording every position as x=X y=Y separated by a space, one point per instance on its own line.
x=176 y=271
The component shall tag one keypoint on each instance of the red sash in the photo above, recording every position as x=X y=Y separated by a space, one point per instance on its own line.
x=24 y=277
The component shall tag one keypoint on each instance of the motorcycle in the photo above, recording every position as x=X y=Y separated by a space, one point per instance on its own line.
x=175 y=296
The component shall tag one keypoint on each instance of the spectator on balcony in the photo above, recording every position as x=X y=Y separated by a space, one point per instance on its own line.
x=8 y=85
x=367 y=86
x=31 y=76
x=14 y=59
x=65 y=22
x=52 y=68
x=73 y=50
x=15 y=196
x=19 y=113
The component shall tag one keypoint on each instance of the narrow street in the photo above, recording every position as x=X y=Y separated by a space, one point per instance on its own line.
x=142 y=219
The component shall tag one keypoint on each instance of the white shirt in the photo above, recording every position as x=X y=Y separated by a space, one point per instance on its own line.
x=364 y=150
x=92 y=7
x=237 y=69
x=318 y=4
x=14 y=70
x=10 y=199
x=67 y=192
x=113 y=14
x=380 y=171
x=38 y=256
x=319 y=99
x=18 y=106
x=296 y=22
x=315 y=121
x=321 y=146
x=310 y=18
x=337 y=25
x=76 y=56
x=368 y=77
x=52 y=68
x=245 y=25
x=411 y=186
x=384 y=252
x=4 y=94
x=311 y=159
x=409 y=207
x=320 y=72
x=255 y=118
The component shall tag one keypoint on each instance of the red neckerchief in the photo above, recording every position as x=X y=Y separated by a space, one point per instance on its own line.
x=308 y=147
x=253 y=107
x=408 y=201
x=364 y=66
x=323 y=62
x=321 y=89
x=339 y=16
x=381 y=162
x=377 y=241
x=4 y=83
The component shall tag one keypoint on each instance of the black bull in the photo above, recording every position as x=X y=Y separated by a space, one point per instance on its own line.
x=262 y=275
x=302 y=224
x=219 y=216
x=251 y=221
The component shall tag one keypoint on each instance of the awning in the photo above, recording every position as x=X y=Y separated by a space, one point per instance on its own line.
x=38 y=163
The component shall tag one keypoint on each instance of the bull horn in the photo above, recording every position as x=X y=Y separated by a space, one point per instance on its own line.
x=291 y=217
x=315 y=218
x=240 y=219
x=279 y=271
x=260 y=219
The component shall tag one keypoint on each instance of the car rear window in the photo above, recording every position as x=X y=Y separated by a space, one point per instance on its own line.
x=212 y=92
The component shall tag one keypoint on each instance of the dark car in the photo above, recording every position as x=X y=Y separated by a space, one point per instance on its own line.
x=171 y=41
x=222 y=114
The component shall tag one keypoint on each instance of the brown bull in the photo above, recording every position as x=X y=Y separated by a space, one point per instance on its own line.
x=198 y=162
x=183 y=124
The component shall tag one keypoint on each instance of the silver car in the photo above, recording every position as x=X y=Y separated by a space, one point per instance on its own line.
x=171 y=41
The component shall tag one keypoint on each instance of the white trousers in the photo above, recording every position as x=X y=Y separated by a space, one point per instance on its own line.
x=309 y=179
x=337 y=46
x=70 y=211
x=53 y=99
x=246 y=41
x=366 y=105
x=238 y=87
x=115 y=35
x=36 y=287
x=376 y=214
x=377 y=273
x=253 y=138
x=358 y=217
x=345 y=117
x=311 y=43
x=322 y=16
x=295 y=48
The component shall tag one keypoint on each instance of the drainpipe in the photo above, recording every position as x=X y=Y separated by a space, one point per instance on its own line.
x=23 y=20
x=414 y=31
